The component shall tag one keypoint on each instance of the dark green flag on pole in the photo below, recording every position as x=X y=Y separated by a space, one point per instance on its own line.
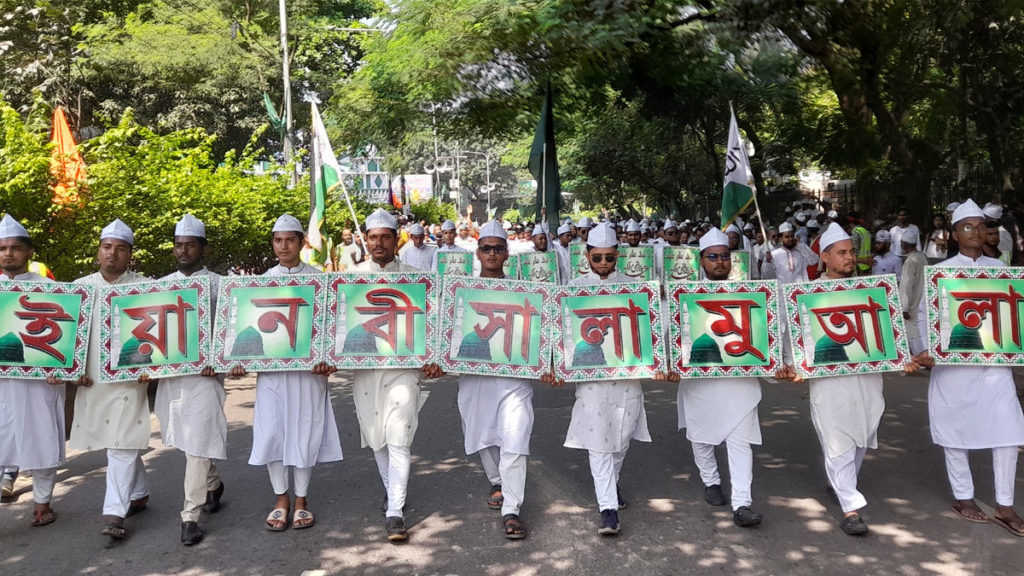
x=544 y=165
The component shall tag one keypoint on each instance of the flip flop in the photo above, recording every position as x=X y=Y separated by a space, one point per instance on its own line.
x=1008 y=524
x=44 y=517
x=115 y=531
x=302 y=515
x=962 y=509
x=514 y=527
x=496 y=498
x=277 y=514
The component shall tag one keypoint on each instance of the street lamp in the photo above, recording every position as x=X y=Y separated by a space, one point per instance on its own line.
x=489 y=187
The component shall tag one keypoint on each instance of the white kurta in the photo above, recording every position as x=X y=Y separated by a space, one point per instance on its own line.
x=610 y=413
x=564 y=261
x=387 y=400
x=496 y=412
x=112 y=415
x=791 y=265
x=971 y=407
x=897 y=237
x=421 y=258
x=191 y=408
x=31 y=417
x=846 y=411
x=888 y=263
x=293 y=421
x=712 y=409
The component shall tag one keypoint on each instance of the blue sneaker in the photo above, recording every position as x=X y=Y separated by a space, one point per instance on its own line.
x=609 y=523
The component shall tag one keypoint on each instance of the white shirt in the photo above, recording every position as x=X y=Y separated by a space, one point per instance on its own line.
x=888 y=263
x=791 y=265
x=421 y=258
x=897 y=237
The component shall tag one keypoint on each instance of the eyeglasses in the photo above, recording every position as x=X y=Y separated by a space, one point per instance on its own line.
x=715 y=257
x=971 y=228
x=605 y=257
x=496 y=248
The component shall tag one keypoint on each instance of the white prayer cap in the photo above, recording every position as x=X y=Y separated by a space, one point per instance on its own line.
x=707 y=218
x=538 y=230
x=670 y=223
x=463 y=226
x=833 y=214
x=643 y=228
x=967 y=210
x=911 y=236
x=632 y=226
x=381 y=218
x=585 y=222
x=796 y=203
x=687 y=222
x=952 y=206
x=288 y=223
x=118 y=231
x=801 y=217
x=567 y=221
x=734 y=229
x=789 y=210
x=506 y=225
x=189 y=225
x=883 y=236
x=813 y=224
x=417 y=230
x=993 y=211
x=785 y=227
x=11 y=228
x=564 y=229
x=493 y=229
x=748 y=226
x=447 y=225
x=834 y=233
x=713 y=237
x=602 y=236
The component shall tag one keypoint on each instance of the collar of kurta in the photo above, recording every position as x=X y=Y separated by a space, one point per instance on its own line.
x=296 y=270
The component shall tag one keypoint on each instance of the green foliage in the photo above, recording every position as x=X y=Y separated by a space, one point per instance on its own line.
x=433 y=211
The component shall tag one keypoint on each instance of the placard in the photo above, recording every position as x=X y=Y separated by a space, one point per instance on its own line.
x=158 y=328
x=496 y=327
x=45 y=329
x=974 y=315
x=847 y=326
x=539 y=267
x=637 y=262
x=454 y=262
x=740 y=271
x=578 y=259
x=680 y=264
x=270 y=323
x=381 y=320
x=511 y=266
x=608 y=332
x=724 y=329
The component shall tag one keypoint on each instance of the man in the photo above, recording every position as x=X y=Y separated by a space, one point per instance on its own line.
x=994 y=214
x=388 y=400
x=497 y=412
x=447 y=242
x=801 y=228
x=539 y=237
x=293 y=421
x=562 y=252
x=762 y=247
x=902 y=227
x=717 y=410
x=191 y=408
x=31 y=411
x=613 y=406
x=861 y=242
x=915 y=312
x=734 y=235
x=353 y=252
x=886 y=262
x=975 y=407
x=114 y=416
x=632 y=233
x=583 y=229
x=991 y=246
x=464 y=240
x=418 y=254
x=792 y=258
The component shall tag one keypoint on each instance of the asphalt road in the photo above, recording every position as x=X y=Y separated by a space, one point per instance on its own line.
x=667 y=529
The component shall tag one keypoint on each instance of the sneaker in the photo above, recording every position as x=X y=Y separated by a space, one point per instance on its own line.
x=395 y=527
x=744 y=517
x=609 y=523
x=854 y=525
x=713 y=495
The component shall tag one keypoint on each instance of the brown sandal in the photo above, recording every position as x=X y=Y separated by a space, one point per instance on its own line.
x=43 y=517
x=964 y=510
x=496 y=498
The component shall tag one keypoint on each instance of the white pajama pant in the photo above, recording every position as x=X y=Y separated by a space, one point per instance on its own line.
x=126 y=481
x=741 y=468
x=393 y=464
x=842 y=474
x=200 y=477
x=1004 y=468
x=42 y=485
x=509 y=471
x=279 y=478
x=605 y=468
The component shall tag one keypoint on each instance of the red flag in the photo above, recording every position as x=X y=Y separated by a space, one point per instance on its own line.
x=66 y=163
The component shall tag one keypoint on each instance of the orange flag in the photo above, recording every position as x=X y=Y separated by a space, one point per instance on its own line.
x=66 y=163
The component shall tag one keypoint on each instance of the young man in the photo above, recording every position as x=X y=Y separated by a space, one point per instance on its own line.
x=113 y=416
x=902 y=228
x=717 y=410
x=539 y=238
x=31 y=411
x=497 y=412
x=293 y=422
x=976 y=407
x=447 y=242
x=886 y=261
x=191 y=408
x=915 y=313
x=418 y=254
x=564 y=234
x=792 y=258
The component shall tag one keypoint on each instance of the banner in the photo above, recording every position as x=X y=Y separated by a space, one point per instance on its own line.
x=45 y=329
x=381 y=320
x=539 y=267
x=454 y=262
x=578 y=259
x=974 y=315
x=608 y=332
x=511 y=267
x=847 y=326
x=680 y=264
x=724 y=329
x=496 y=327
x=269 y=323
x=740 y=270
x=637 y=262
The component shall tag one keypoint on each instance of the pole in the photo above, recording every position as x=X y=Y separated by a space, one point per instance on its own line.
x=487 y=160
x=348 y=200
x=543 y=175
x=288 y=144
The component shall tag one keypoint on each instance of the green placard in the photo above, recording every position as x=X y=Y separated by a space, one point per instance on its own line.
x=45 y=329
x=680 y=263
x=454 y=262
x=578 y=259
x=740 y=270
x=511 y=266
x=539 y=267
x=637 y=262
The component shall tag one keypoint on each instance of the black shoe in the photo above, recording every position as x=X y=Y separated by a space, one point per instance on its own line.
x=854 y=525
x=622 y=501
x=609 y=523
x=713 y=495
x=191 y=534
x=744 y=517
x=213 y=500
x=396 y=529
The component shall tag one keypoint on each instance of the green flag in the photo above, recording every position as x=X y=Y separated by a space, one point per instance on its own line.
x=324 y=173
x=275 y=121
x=544 y=164
x=739 y=191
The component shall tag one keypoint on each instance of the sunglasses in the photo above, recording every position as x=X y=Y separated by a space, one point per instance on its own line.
x=715 y=257
x=497 y=249
x=604 y=257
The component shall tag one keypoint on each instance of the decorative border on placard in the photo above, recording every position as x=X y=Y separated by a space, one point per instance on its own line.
x=886 y=281
x=548 y=318
x=767 y=287
x=229 y=283
x=83 y=327
x=653 y=292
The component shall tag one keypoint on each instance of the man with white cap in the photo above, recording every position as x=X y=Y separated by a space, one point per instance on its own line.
x=31 y=411
x=388 y=399
x=293 y=420
x=717 y=410
x=564 y=238
x=886 y=261
x=792 y=258
x=976 y=407
x=583 y=229
x=447 y=242
x=539 y=238
x=417 y=254
x=912 y=292
x=800 y=227
x=191 y=408
x=901 y=227
x=497 y=412
x=113 y=416
x=994 y=214
x=632 y=233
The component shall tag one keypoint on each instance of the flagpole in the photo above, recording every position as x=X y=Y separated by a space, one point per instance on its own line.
x=348 y=200
x=543 y=176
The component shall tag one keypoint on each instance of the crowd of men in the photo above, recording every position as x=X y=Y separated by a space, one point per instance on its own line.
x=294 y=425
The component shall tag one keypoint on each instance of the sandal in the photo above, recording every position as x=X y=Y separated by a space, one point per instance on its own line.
x=114 y=528
x=1014 y=526
x=137 y=506
x=277 y=515
x=302 y=516
x=969 y=511
x=43 y=517
x=514 y=527
x=496 y=498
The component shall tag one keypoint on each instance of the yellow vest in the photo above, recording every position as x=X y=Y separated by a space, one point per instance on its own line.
x=865 y=249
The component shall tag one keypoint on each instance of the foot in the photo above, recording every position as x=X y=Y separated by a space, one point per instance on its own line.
x=968 y=510
x=496 y=499
x=1007 y=517
x=395 y=527
x=713 y=495
x=609 y=523
x=44 y=515
x=744 y=517
x=114 y=527
x=277 y=520
x=191 y=534
x=137 y=506
x=213 y=500
x=618 y=495
x=853 y=525
x=514 y=527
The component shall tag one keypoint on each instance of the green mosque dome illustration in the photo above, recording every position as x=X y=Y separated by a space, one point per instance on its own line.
x=359 y=341
x=963 y=338
x=475 y=348
x=587 y=355
x=248 y=343
x=705 y=351
x=130 y=355
x=828 y=351
x=11 y=349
